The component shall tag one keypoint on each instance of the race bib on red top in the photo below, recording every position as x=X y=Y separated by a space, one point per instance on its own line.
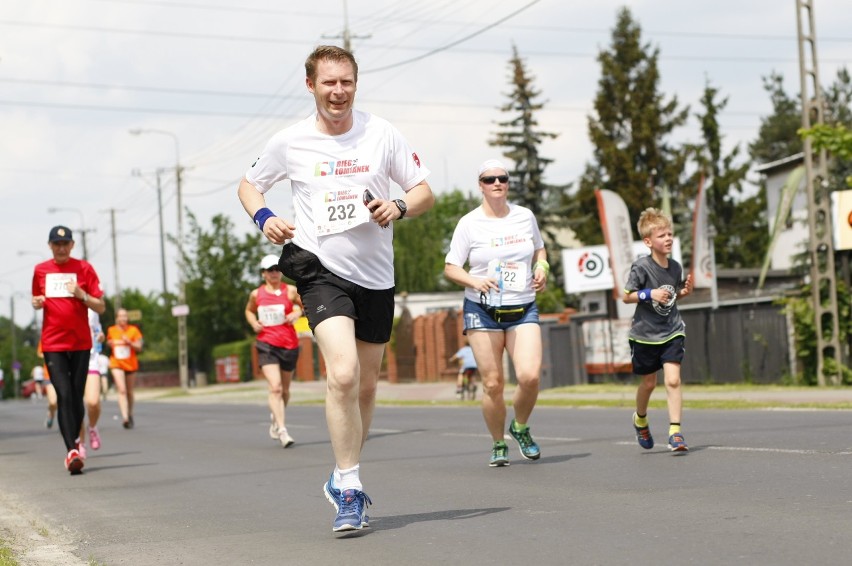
x=54 y=285
x=270 y=315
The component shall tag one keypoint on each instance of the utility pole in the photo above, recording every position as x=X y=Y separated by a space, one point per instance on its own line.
x=162 y=239
x=821 y=251
x=183 y=349
x=180 y=310
x=117 y=301
x=345 y=35
x=159 y=172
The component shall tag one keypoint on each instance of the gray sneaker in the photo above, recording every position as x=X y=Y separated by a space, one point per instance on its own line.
x=284 y=438
x=273 y=428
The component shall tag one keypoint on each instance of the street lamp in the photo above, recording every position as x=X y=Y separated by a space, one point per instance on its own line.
x=83 y=229
x=159 y=172
x=181 y=309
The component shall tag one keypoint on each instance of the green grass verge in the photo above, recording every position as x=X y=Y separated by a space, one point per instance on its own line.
x=7 y=557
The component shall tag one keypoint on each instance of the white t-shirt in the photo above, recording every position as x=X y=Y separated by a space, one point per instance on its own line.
x=512 y=240
x=328 y=175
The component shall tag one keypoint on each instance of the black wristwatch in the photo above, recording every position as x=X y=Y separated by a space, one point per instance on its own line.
x=403 y=208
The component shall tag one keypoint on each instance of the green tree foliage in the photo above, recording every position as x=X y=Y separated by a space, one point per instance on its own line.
x=221 y=270
x=630 y=131
x=521 y=138
x=835 y=135
x=837 y=140
x=421 y=244
x=805 y=328
x=26 y=342
x=740 y=222
x=777 y=138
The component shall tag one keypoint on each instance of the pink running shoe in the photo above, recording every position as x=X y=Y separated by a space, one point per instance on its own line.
x=94 y=438
x=81 y=450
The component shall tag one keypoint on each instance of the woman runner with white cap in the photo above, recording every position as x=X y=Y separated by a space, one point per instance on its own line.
x=271 y=311
x=503 y=246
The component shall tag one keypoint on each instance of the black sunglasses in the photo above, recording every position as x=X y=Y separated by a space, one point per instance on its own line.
x=491 y=178
x=272 y=268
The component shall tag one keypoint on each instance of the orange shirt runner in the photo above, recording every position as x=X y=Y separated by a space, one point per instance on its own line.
x=122 y=355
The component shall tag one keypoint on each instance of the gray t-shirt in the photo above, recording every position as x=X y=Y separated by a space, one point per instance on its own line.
x=655 y=322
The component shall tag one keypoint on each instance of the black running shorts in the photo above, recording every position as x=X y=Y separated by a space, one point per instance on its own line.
x=325 y=295
x=649 y=358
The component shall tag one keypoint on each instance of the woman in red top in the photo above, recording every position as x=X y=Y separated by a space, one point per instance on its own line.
x=271 y=311
x=65 y=288
x=124 y=340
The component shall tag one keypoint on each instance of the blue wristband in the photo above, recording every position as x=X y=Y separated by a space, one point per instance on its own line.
x=644 y=295
x=261 y=216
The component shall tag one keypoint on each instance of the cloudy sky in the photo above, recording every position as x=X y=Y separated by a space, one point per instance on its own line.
x=213 y=80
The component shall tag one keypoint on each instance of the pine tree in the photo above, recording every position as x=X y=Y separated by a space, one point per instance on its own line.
x=521 y=138
x=629 y=130
x=777 y=138
x=740 y=223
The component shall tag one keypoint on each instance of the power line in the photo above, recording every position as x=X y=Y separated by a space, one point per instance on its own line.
x=307 y=42
x=393 y=15
x=135 y=110
x=155 y=33
x=240 y=9
x=143 y=88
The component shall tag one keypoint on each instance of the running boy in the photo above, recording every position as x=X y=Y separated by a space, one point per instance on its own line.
x=657 y=334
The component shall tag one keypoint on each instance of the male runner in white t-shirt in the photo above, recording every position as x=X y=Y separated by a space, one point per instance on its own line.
x=340 y=163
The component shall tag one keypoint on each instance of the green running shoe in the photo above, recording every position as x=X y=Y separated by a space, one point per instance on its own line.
x=529 y=449
x=499 y=455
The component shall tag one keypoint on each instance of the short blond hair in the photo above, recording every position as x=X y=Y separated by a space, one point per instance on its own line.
x=652 y=219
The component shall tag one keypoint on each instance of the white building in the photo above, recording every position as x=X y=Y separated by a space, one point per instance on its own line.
x=793 y=237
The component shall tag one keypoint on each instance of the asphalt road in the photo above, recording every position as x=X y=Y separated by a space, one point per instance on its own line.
x=204 y=484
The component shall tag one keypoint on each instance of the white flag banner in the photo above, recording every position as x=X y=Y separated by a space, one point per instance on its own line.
x=702 y=263
x=615 y=222
x=587 y=269
x=791 y=186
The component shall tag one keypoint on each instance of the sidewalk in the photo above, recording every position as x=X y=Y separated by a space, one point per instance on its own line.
x=444 y=393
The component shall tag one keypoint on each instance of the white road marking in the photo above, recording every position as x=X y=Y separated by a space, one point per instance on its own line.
x=756 y=449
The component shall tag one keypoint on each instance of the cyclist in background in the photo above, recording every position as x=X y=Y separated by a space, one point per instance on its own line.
x=467 y=368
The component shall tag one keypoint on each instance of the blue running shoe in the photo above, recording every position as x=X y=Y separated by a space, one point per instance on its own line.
x=677 y=443
x=331 y=493
x=643 y=435
x=351 y=515
x=499 y=455
x=529 y=449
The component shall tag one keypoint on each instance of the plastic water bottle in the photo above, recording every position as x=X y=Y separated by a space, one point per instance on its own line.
x=495 y=298
x=99 y=346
